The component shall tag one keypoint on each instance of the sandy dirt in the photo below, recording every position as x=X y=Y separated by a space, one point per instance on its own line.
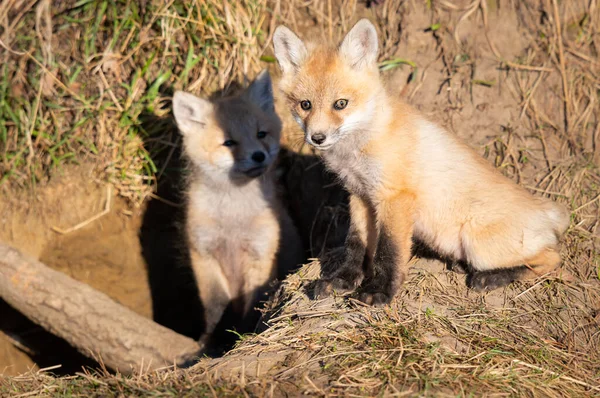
x=105 y=254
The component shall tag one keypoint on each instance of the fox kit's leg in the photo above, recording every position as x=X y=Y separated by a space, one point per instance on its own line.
x=213 y=289
x=291 y=252
x=544 y=262
x=496 y=252
x=256 y=280
x=350 y=274
x=393 y=251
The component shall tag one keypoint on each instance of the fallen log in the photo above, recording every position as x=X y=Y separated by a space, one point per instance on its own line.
x=89 y=320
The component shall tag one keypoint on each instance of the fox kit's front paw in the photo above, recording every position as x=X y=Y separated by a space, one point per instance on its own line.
x=341 y=283
x=326 y=287
x=459 y=267
x=375 y=298
x=380 y=291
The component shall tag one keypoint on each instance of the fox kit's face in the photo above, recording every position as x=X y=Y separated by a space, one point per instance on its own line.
x=331 y=91
x=236 y=137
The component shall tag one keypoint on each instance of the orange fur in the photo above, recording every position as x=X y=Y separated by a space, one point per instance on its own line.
x=415 y=177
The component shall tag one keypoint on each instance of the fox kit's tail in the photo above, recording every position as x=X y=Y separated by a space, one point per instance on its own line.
x=560 y=216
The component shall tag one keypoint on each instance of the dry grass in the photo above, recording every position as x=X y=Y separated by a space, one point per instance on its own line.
x=539 y=338
x=89 y=81
x=434 y=340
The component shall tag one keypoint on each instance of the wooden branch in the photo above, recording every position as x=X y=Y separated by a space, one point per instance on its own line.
x=89 y=320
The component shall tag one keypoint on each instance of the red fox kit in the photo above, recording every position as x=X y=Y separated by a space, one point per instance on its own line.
x=238 y=231
x=408 y=177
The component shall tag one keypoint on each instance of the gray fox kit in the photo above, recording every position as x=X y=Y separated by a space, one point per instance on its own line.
x=238 y=231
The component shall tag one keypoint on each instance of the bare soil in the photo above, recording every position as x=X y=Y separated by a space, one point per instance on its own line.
x=105 y=254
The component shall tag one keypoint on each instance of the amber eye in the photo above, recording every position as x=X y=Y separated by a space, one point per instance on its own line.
x=305 y=105
x=261 y=134
x=229 y=143
x=340 y=104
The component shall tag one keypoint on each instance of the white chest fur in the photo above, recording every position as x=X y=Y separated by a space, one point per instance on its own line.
x=235 y=223
x=359 y=174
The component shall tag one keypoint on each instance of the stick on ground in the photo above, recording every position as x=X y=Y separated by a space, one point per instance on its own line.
x=89 y=320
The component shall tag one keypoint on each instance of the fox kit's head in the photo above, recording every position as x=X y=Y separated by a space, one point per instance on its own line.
x=234 y=137
x=332 y=91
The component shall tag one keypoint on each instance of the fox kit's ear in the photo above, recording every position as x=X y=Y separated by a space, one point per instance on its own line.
x=261 y=91
x=360 y=45
x=191 y=112
x=290 y=51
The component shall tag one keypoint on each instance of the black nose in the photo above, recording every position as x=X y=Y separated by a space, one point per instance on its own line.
x=318 y=138
x=258 y=156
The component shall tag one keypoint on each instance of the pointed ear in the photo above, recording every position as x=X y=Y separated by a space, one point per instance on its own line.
x=290 y=51
x=360 y=47
x=260 y=91
x=191 y=113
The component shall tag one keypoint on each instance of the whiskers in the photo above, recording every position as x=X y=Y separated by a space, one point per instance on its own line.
x=296 y=141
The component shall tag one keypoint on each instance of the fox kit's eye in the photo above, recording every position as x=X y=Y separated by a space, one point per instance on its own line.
x=340 y=104
x=229 y=143
x=305 y=105
x=261 y=134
